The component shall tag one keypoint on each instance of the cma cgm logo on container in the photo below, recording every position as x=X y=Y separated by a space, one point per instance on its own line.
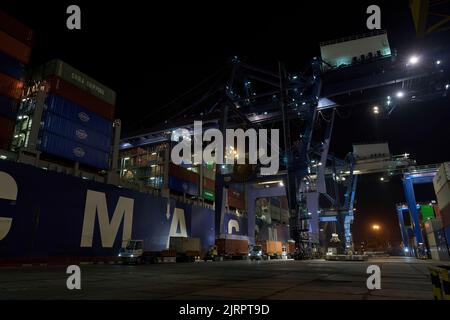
x=81 y=134
x=258 y=143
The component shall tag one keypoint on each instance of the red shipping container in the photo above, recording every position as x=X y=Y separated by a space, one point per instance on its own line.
x=10 y=87
x=16 y=29
x=209 y=184
x=183 y=173
x=232 y=247
x=236 y=203
x=85 y=99
x=14 y=48
x=232 y=193
x=6 y=132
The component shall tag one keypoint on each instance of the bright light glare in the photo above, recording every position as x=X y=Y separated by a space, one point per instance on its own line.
x=400 y=94
x=376 y=227
x=382 y=179
x=413 y=59
x=438 y=62
x=376 y=110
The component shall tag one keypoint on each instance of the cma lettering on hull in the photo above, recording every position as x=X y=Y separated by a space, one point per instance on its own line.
x=105 y=219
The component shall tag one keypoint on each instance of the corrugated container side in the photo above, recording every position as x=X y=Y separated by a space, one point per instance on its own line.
x=80 y=134
x=431 y=239
x=11 y=67
x=8 y=107
x=209 y=173
x=73 y=112
x=70 y=92
x=14 y=48
x=442 y=176
x=445 y=216
x=209 y=184
x=184 y=244
x=16 y=29
x=443 y=196
x=6 y=131
x=432 y=225
x=232 y=247
x=184 y=186
x=77 y=78
x=71 y=150
x=10 y=87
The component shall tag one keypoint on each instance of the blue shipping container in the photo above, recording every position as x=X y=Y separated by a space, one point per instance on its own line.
x=8 y=107
x=11 y=67
x=183 y=186
x=78 y=114
x=76 y=132
x=65 y=148
x=56 y=215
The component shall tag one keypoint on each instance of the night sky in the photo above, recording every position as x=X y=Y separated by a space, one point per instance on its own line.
x=150 y=54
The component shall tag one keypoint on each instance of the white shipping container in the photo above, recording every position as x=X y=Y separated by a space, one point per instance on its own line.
x=433 y=225
x=443 y=196
x=341 y=52
x=431 y=237
x=434 y=253
x=442 y=177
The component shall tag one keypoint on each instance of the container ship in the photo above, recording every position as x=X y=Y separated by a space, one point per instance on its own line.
x=71 y=190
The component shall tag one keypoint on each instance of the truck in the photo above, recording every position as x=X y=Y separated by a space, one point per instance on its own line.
x=232 y=248
x=271 y=249
x=180 y=249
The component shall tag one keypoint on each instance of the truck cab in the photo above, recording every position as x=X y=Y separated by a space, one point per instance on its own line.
x=133 y=252
x=256 y=253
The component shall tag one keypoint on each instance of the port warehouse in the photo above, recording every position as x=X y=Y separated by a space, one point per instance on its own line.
x=77 y=139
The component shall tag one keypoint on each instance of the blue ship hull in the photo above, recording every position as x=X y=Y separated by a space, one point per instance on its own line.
x=46 y=214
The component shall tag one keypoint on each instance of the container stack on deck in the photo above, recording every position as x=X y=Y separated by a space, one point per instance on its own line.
x=77 y=123
x=16 y=40
x=441 y=183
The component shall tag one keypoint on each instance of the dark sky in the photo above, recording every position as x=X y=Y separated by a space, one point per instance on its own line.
x=150 y=53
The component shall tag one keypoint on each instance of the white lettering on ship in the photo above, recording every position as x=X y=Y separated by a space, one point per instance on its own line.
x=8 y=191
x=96 y=206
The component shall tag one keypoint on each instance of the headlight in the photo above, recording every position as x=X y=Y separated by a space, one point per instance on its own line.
x=132 y=256
x=259 y=253
x=249 y=254
x=120 y=254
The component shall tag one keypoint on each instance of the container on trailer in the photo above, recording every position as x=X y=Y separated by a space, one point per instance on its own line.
x=78 y=96
x=75 y=77
x=10 y=87
x=80 y=134
x=236 y=203
x=271 y=248
x=14 y=48
x=445 y=216
x=8 y=107
x=11 y=67
x=185 y=245
x=77 y=114
x=16 y=29
x=71 y=150
x=232 y=247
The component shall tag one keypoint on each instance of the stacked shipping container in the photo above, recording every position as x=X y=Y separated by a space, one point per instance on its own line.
x=78 y=115
x=441 y=183
x=15 y=49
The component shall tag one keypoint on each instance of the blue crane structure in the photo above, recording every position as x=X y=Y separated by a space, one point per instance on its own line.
x=253 y=97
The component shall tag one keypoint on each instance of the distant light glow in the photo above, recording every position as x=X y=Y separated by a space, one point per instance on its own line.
x=413 y=59
x=376 y=110
x=438 y=62
x=382 y=179
x=400 y=94
x=376 y=227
